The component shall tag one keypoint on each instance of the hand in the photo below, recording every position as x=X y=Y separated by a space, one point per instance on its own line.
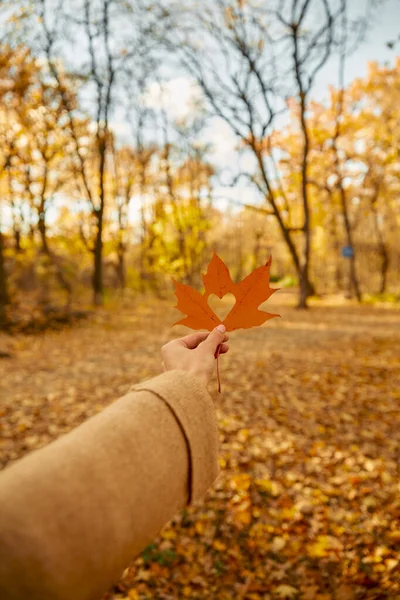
x=195 y=353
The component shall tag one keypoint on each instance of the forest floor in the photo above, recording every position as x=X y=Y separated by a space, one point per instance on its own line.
x=307 y=505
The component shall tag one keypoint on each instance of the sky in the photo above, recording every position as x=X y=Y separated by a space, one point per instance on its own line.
x=385 y=28
x=179 y=94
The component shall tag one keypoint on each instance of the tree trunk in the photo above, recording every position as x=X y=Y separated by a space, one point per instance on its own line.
x=98 y=262
x=4 y=298
x=43 y=233
x=120 y=266
x=143 y=236
x=121 y=271
x=384 y=270
x=382 y=249
x=306 y=287
x=336 y=250
x=304 y=279
x=99 y=215
x=353 y=277
x=303 y=295
x=354 y=283
x=16 y=227
x=257 y=248
x=17 y=240
x=17 y=233
x=64 y=283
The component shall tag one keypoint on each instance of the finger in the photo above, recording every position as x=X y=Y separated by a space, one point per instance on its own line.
x=163 y=366
x=189 y=341
x=215 y=338
x=224 y=348
x=192 y=340
x=221 y=349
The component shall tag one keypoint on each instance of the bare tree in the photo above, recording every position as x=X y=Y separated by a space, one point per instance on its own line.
x=376 y=189
x=194 y=175
x=140 y=117
x=95 y=25
x=4 y=297
x=382 y=246
x=343 y=49
x=16 y=71
x=249 y=58
x=16 y=205
x=106 y=44
x=42 y=166
x=50 y=39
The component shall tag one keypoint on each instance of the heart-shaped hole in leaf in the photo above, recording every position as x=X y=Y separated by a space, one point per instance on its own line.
x=222 y=306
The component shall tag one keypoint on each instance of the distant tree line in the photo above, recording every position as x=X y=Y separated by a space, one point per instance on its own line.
x=96 y=175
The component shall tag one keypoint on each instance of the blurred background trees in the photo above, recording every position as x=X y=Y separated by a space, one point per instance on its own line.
x=110 y=117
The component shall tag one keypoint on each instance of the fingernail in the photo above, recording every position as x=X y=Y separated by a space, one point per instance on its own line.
x=221 y=328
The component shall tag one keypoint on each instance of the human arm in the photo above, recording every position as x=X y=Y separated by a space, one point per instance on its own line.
x=75 y=513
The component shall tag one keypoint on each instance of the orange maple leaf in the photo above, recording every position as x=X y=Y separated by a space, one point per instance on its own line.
x=249 y=294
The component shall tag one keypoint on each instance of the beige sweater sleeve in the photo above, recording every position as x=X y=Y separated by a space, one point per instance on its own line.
x=74 y=514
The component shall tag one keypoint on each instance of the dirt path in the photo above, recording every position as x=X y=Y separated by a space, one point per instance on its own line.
x=308 y=502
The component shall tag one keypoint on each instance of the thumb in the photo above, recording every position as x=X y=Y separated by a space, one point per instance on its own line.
x=215 y=338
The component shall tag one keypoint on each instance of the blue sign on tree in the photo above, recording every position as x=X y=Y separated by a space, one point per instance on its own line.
x=347 y=252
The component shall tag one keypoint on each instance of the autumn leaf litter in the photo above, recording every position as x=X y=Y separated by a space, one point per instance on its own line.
x=308 y=501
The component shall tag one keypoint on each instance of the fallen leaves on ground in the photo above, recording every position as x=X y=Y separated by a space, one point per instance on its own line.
x=308 y=502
